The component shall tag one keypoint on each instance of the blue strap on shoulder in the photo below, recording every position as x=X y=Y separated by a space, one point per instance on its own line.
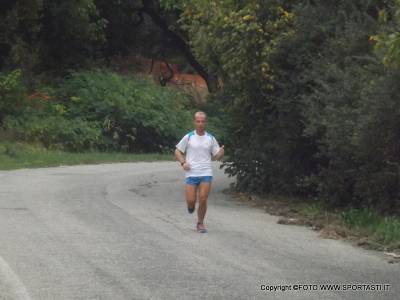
x=190 y=134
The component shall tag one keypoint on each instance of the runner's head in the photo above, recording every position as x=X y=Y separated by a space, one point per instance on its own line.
x=200 y=121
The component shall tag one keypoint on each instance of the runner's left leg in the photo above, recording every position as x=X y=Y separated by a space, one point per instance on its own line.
x=204 y=190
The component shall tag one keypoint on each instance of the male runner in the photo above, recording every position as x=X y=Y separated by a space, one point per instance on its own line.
x=199 y=147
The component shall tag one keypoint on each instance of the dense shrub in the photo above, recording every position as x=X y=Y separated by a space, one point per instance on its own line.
x=351 y=111
x=56 y=132
x=134 y=114
x=12 y=94
x=97 y=110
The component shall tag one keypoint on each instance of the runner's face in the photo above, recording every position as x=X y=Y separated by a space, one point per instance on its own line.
x=200 y=122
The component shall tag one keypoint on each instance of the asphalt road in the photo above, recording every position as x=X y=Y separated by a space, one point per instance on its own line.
x=121 y=231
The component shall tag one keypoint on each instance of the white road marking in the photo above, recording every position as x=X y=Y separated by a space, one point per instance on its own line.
x=11 y=286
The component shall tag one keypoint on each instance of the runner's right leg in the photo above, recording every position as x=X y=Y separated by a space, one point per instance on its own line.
x=191 y=193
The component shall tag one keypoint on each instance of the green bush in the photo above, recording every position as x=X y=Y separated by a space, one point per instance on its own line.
x=98 y=110
x=360 y=218
x=384 y=229
x=56 y=132
x=134 y=113
x=12 y=94
x=352 y=112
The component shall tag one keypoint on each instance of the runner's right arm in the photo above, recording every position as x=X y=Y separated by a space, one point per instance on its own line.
x=180 y=150
x=179 y=156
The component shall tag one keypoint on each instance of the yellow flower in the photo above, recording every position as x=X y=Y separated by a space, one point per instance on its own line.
x=373 y=38
x=248 y=18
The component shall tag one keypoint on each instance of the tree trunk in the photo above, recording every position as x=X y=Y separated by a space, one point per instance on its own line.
x=180 y=43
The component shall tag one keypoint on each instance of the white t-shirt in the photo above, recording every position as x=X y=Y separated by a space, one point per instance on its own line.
x=198 y=149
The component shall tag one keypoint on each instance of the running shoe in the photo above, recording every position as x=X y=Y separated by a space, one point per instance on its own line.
x=201 y=228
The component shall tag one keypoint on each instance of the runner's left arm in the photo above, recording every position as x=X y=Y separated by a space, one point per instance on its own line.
x=217 y=151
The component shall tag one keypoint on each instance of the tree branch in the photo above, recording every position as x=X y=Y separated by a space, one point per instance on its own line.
x=180 y=43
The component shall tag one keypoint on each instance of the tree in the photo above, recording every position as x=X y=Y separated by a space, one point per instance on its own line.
x=312 y=110
x=388 y=40
x=71 y=34
x=166 y=16
x=19 y=39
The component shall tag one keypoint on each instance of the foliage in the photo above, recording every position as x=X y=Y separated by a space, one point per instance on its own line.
x=20 y=29
x=56 y=132
x=125 y=32
x=71 y=32
x=388 y=39
x=351 y=112
x=135 y=114
x=97 y=110
x=237 y=40
x=385 y=230
x=12 y=93
x=43 y=35
x=51 y=38
x=312 y=109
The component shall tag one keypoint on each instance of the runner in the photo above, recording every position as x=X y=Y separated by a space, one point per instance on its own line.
x=195 y=152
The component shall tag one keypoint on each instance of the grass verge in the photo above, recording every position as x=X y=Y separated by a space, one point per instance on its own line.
x=17 y=155
x=363 y=227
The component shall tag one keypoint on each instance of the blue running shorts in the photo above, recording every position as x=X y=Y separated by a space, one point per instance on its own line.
x=198 y=179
